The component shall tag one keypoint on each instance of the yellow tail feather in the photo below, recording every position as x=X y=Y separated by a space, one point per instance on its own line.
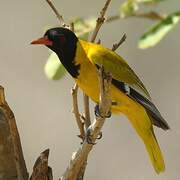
x=154 y=152
x=142 y=124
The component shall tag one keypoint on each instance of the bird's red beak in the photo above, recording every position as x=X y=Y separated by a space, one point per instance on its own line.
x=43 y=40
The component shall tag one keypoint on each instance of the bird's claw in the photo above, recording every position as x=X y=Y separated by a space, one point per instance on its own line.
x=89 y=137
x=99 y=136
x=98 y=113
x=81 y=137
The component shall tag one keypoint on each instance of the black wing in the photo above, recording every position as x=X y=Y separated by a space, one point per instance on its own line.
x=151 y=109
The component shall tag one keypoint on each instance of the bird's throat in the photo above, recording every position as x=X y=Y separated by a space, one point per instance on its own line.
x=67 y=58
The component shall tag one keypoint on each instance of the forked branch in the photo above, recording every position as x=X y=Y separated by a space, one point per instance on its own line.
x=80 y=156
x=99 y=22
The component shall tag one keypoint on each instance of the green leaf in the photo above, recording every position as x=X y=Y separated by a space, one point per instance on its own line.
x=54 y=70
x=157 y=32
x=128 y=8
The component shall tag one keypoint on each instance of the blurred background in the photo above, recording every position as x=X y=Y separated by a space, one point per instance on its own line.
x=43 y=108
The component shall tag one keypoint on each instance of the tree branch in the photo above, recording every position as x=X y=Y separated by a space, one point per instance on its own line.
x=76 y=111
x=87 y=121
x=81 y=155
x=116 y=45
x=59 y=16
x=100 y=20
x=87 y=118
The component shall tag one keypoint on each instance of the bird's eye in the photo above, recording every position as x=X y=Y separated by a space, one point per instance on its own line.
x=62 y=38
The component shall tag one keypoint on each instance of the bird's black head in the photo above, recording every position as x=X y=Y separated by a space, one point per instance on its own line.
x=63 y=42
x=58 y=39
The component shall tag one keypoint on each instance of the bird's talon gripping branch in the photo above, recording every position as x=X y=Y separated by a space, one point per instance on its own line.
x=99 y=136
x=98 y=113
x=81 y=137
x=89 y=137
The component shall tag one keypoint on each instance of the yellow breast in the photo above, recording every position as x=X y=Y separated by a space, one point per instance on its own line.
x=88 y=81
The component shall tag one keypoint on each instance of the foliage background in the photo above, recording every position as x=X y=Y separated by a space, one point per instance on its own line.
x=43 y=107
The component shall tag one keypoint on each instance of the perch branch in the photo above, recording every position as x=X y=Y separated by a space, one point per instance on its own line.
x=99 y=22
x=152 y=15
x=87 y=120
x=81 y=155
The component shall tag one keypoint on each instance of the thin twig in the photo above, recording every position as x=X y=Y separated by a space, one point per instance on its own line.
x=81 y=155
x=99 y=41
x=76 y=111
x=72 y=26
x=60 y=17
x=100 y=20
x=152 y=15
x=116 y=45
x=112 y=18
x=87 y=118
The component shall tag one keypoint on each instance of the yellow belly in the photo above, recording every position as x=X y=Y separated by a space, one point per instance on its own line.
x=88 y=81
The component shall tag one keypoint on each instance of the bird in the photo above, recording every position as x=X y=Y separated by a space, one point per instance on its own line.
x=129 y=96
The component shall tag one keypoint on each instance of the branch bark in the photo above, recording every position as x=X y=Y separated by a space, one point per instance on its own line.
x=59 y=16
x=100 y=20
x=12 y=166
x=41 y=170
x=116 y=45
x=87 y=118
x=76 y=111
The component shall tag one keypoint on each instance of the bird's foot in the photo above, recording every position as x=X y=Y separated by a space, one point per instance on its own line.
x=99 y=136
x=98 y=113
x=81 y=137
x=89 y=137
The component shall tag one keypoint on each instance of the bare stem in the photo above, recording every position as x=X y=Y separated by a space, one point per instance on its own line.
x=100 y=20
x=150 y=15
x=81 y=155
x=59 y=16
x=76 y=111
x=72 y=26
x=86 y=111
x=99 y=23
x=116 y=45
